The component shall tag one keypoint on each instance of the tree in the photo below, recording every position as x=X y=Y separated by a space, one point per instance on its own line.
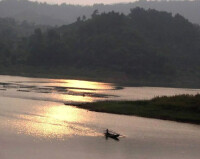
x=95 y=13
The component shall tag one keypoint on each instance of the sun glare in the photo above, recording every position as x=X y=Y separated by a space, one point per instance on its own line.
x=56 y=121
x=86 y=84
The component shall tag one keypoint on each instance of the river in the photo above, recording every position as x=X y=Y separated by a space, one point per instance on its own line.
x=36 y=124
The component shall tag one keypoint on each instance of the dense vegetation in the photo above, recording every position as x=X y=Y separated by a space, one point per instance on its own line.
x=13 y=36
x=54 y=14
x=146 y=47
x=184 y=108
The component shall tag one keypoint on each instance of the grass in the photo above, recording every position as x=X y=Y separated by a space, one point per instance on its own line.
x=183 y=108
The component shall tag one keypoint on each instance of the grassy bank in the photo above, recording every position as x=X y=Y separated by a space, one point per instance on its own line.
x=183 y=108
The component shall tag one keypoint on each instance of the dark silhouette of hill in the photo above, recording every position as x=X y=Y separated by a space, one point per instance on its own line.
x=43 y=13
x=146 y=47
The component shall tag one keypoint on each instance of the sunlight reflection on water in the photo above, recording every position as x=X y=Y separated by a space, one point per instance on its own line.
x=73 y=98
x=52 y=121
x=57 y=90
x=46 y=119
x=86 y=84
x=39 y=117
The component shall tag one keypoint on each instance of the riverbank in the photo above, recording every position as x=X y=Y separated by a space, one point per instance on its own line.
x=182 y=108
x=100 y=75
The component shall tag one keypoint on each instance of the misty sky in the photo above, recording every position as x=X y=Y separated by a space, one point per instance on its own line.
x=84 y=2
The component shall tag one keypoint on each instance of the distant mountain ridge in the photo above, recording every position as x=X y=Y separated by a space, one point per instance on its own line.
x=46 y=14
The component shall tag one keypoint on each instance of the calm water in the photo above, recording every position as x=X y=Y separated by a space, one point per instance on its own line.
x=35 y=123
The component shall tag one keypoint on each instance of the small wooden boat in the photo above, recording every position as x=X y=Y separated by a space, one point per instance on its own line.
x=111 y=134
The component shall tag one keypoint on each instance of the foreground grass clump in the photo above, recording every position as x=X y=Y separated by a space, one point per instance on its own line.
x=184 y=108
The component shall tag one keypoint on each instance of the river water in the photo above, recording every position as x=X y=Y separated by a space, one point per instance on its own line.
x=36 y=124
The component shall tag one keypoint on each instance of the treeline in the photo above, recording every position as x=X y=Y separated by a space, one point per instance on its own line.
x=13 y=39
x=46 y=14
x=147 y=46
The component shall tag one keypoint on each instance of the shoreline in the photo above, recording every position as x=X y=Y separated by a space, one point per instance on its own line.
x=117 y=83
x=180 y=108
x=106 y=76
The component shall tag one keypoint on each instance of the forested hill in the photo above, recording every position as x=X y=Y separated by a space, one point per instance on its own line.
x=46 y=14
x=146 y=47
x=12 y=34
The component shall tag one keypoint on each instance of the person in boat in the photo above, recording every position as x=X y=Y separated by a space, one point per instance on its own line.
x=107 y=131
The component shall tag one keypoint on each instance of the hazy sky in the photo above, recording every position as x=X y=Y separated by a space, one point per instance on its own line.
x=84 y=2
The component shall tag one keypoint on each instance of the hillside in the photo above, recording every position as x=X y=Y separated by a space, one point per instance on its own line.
x=13 y=36
x=46 y=14
x=146 y=47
